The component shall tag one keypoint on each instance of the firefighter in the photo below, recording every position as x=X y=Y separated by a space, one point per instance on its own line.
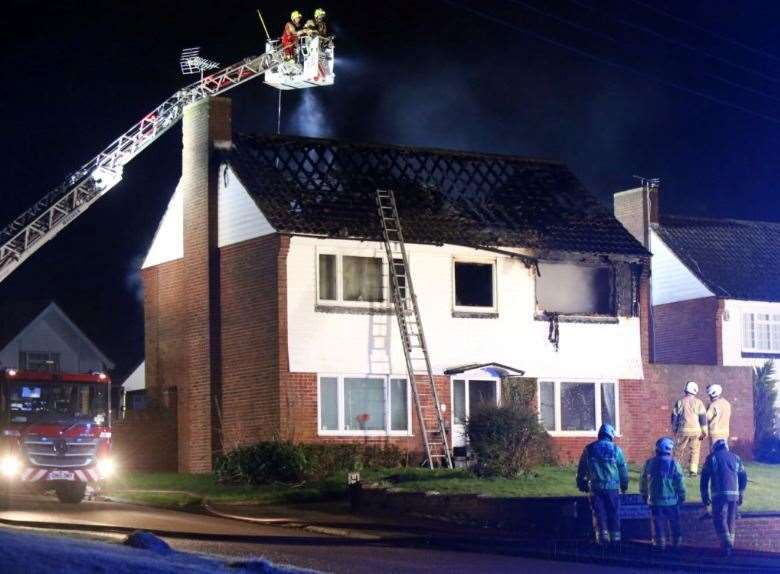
x=663 y=488
x=603 y=473
x=718 y=415
x=689 y=424
x=319 y=20
x=290 y=35
x=723 y=483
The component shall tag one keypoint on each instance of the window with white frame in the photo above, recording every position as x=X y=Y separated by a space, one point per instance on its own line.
x=577 y=407
x=45 y=361
x=350 y=404
x=349 y=279
x=474 y=285
x=761 y=332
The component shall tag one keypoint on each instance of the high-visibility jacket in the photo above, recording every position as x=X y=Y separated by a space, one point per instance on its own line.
x=723 y=474
x=661 y=483
x=719 y=417
x=602 y=467
x=689 y=416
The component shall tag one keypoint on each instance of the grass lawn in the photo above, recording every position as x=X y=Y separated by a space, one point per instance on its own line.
x=185 y=490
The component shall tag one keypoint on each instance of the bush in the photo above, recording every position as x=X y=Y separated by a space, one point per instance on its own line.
x=764 y=398
x=506 y=440
x=768 y=450
x=275 y=461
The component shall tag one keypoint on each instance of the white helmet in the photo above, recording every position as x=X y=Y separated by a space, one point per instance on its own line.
x=692 y=388
x=714 y=391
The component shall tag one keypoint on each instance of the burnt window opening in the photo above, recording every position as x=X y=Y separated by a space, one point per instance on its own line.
x=474 y=284
x=571 y=289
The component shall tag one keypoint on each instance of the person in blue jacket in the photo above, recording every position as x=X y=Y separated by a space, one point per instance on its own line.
x=723 y=483
x=603 y=473
x=663 y=488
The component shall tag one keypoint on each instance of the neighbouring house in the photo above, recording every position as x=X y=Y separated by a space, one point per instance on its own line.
x=39 y=336
x=134 y=389
x=266 y=293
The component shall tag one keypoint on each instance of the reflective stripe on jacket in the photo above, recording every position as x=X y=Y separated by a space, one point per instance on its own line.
x=719 y=417
x=723 y=474
x=602 y=467
x=689 y=416
x=661 y=483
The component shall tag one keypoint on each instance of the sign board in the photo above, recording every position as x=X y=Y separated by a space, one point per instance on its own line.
x=633 y=507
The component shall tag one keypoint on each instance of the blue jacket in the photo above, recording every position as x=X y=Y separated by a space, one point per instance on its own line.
x=602 y=467
x=662 y=482
x=724 y=474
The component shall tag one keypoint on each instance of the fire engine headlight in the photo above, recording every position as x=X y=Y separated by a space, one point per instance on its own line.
x=106 y=467
x=10 y=466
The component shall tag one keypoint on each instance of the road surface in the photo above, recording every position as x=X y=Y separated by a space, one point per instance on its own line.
x=285 y=545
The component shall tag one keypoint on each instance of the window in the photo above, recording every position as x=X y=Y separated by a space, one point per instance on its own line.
x=39 y=361
x=474 y=285
x=571 y=289
x=360 y=405
x=761 y=332
x=577 y=407
x=349 y=278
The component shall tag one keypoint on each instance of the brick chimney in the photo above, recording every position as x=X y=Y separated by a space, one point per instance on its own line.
x=637 y=209
x=206 y=128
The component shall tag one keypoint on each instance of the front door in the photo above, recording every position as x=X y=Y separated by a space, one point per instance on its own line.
x=468 y=394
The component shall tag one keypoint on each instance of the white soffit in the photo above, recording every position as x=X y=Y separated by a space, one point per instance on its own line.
x=168 y=244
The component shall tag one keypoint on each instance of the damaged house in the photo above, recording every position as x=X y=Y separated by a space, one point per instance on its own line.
x=267 y=300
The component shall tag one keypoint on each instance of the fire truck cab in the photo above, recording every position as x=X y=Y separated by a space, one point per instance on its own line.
x=56 y=433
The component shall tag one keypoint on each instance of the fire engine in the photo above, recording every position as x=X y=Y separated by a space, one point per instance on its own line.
x=56 y=432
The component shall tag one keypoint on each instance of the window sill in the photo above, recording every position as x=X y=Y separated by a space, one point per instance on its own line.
x=760 y=354
x=475 y=314
x=369 y=433
x=354 y=310
x=576 y=434
x=590 y=319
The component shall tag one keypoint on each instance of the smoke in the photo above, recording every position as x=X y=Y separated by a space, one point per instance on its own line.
x=134 y=280
x=309 y=117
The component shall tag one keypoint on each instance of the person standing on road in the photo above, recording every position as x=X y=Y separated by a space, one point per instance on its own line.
x=723 y=483
x=663 y=488
x=603 y=473
x=689 y=424
x=718 y=415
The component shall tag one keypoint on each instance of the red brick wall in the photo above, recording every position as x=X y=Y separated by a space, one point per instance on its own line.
x=686 y=331
x=146 y=441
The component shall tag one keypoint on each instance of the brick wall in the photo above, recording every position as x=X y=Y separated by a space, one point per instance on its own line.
x=146 y=441
x=686 y=332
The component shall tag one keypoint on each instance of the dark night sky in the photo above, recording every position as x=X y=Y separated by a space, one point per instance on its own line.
x=611 y=88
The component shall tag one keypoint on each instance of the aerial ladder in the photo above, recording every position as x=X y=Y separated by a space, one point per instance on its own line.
x=311 y=66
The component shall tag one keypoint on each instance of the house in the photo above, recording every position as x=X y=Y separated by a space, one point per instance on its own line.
x=134 y=387
x=39 y=336
x=266 y=292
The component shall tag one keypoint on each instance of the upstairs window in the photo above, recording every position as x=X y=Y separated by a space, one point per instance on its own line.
x=44 y=361
x=474 y=285
x=571 y=289
x=349 y=279
x=761 y=332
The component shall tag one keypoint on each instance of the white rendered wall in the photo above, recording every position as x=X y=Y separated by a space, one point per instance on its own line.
x=239 y=219
x=672 y=281
x=358 y=343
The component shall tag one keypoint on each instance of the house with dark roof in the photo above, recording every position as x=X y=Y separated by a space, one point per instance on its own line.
x=39 y=336
x=267 y=308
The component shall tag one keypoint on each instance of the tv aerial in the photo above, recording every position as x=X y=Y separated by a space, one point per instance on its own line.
x=193 y=63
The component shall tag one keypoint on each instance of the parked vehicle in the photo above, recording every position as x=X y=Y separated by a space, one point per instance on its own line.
x=56 y=433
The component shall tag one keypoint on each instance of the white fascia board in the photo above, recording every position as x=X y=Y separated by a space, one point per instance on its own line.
x=168 y=244
x=239 y=217
x=671 y=279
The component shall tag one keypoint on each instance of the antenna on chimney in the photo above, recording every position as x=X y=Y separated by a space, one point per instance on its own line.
x=649 y=182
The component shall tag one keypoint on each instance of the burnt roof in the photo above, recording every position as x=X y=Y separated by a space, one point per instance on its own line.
x=735 y=259
x=326 y=187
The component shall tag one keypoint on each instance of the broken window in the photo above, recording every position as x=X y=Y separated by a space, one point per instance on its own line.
x=474 y=284
x=571 y=289
x=349 y=278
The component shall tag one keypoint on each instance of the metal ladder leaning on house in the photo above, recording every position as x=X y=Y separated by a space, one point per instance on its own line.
x=426 y=399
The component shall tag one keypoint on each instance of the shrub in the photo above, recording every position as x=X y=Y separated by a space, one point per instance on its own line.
x=275 y=461
x=764 y=397
x=506 y=440
x=768 y=450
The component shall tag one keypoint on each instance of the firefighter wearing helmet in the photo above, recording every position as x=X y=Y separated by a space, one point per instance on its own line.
x=718 y=415
x=290 y=34
x=319 y=21
x=663 y=488
x=689 y=424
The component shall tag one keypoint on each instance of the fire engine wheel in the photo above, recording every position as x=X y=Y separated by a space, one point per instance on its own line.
x=71 y=492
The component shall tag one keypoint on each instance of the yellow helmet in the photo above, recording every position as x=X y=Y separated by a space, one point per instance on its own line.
x=319 y=13
x=295 y=15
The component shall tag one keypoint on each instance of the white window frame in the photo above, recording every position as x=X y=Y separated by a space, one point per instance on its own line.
x=341 y=431
x=557 y=431
x=774 y=346
x=469 y=308
x=52 y=357
x=339 y=301
x=475 y=377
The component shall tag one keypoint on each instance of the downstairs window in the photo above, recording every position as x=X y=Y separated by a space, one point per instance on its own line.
x=577 y=407
x=363 y=404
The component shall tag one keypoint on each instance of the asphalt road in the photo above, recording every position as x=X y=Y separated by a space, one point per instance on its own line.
x=236 y=539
